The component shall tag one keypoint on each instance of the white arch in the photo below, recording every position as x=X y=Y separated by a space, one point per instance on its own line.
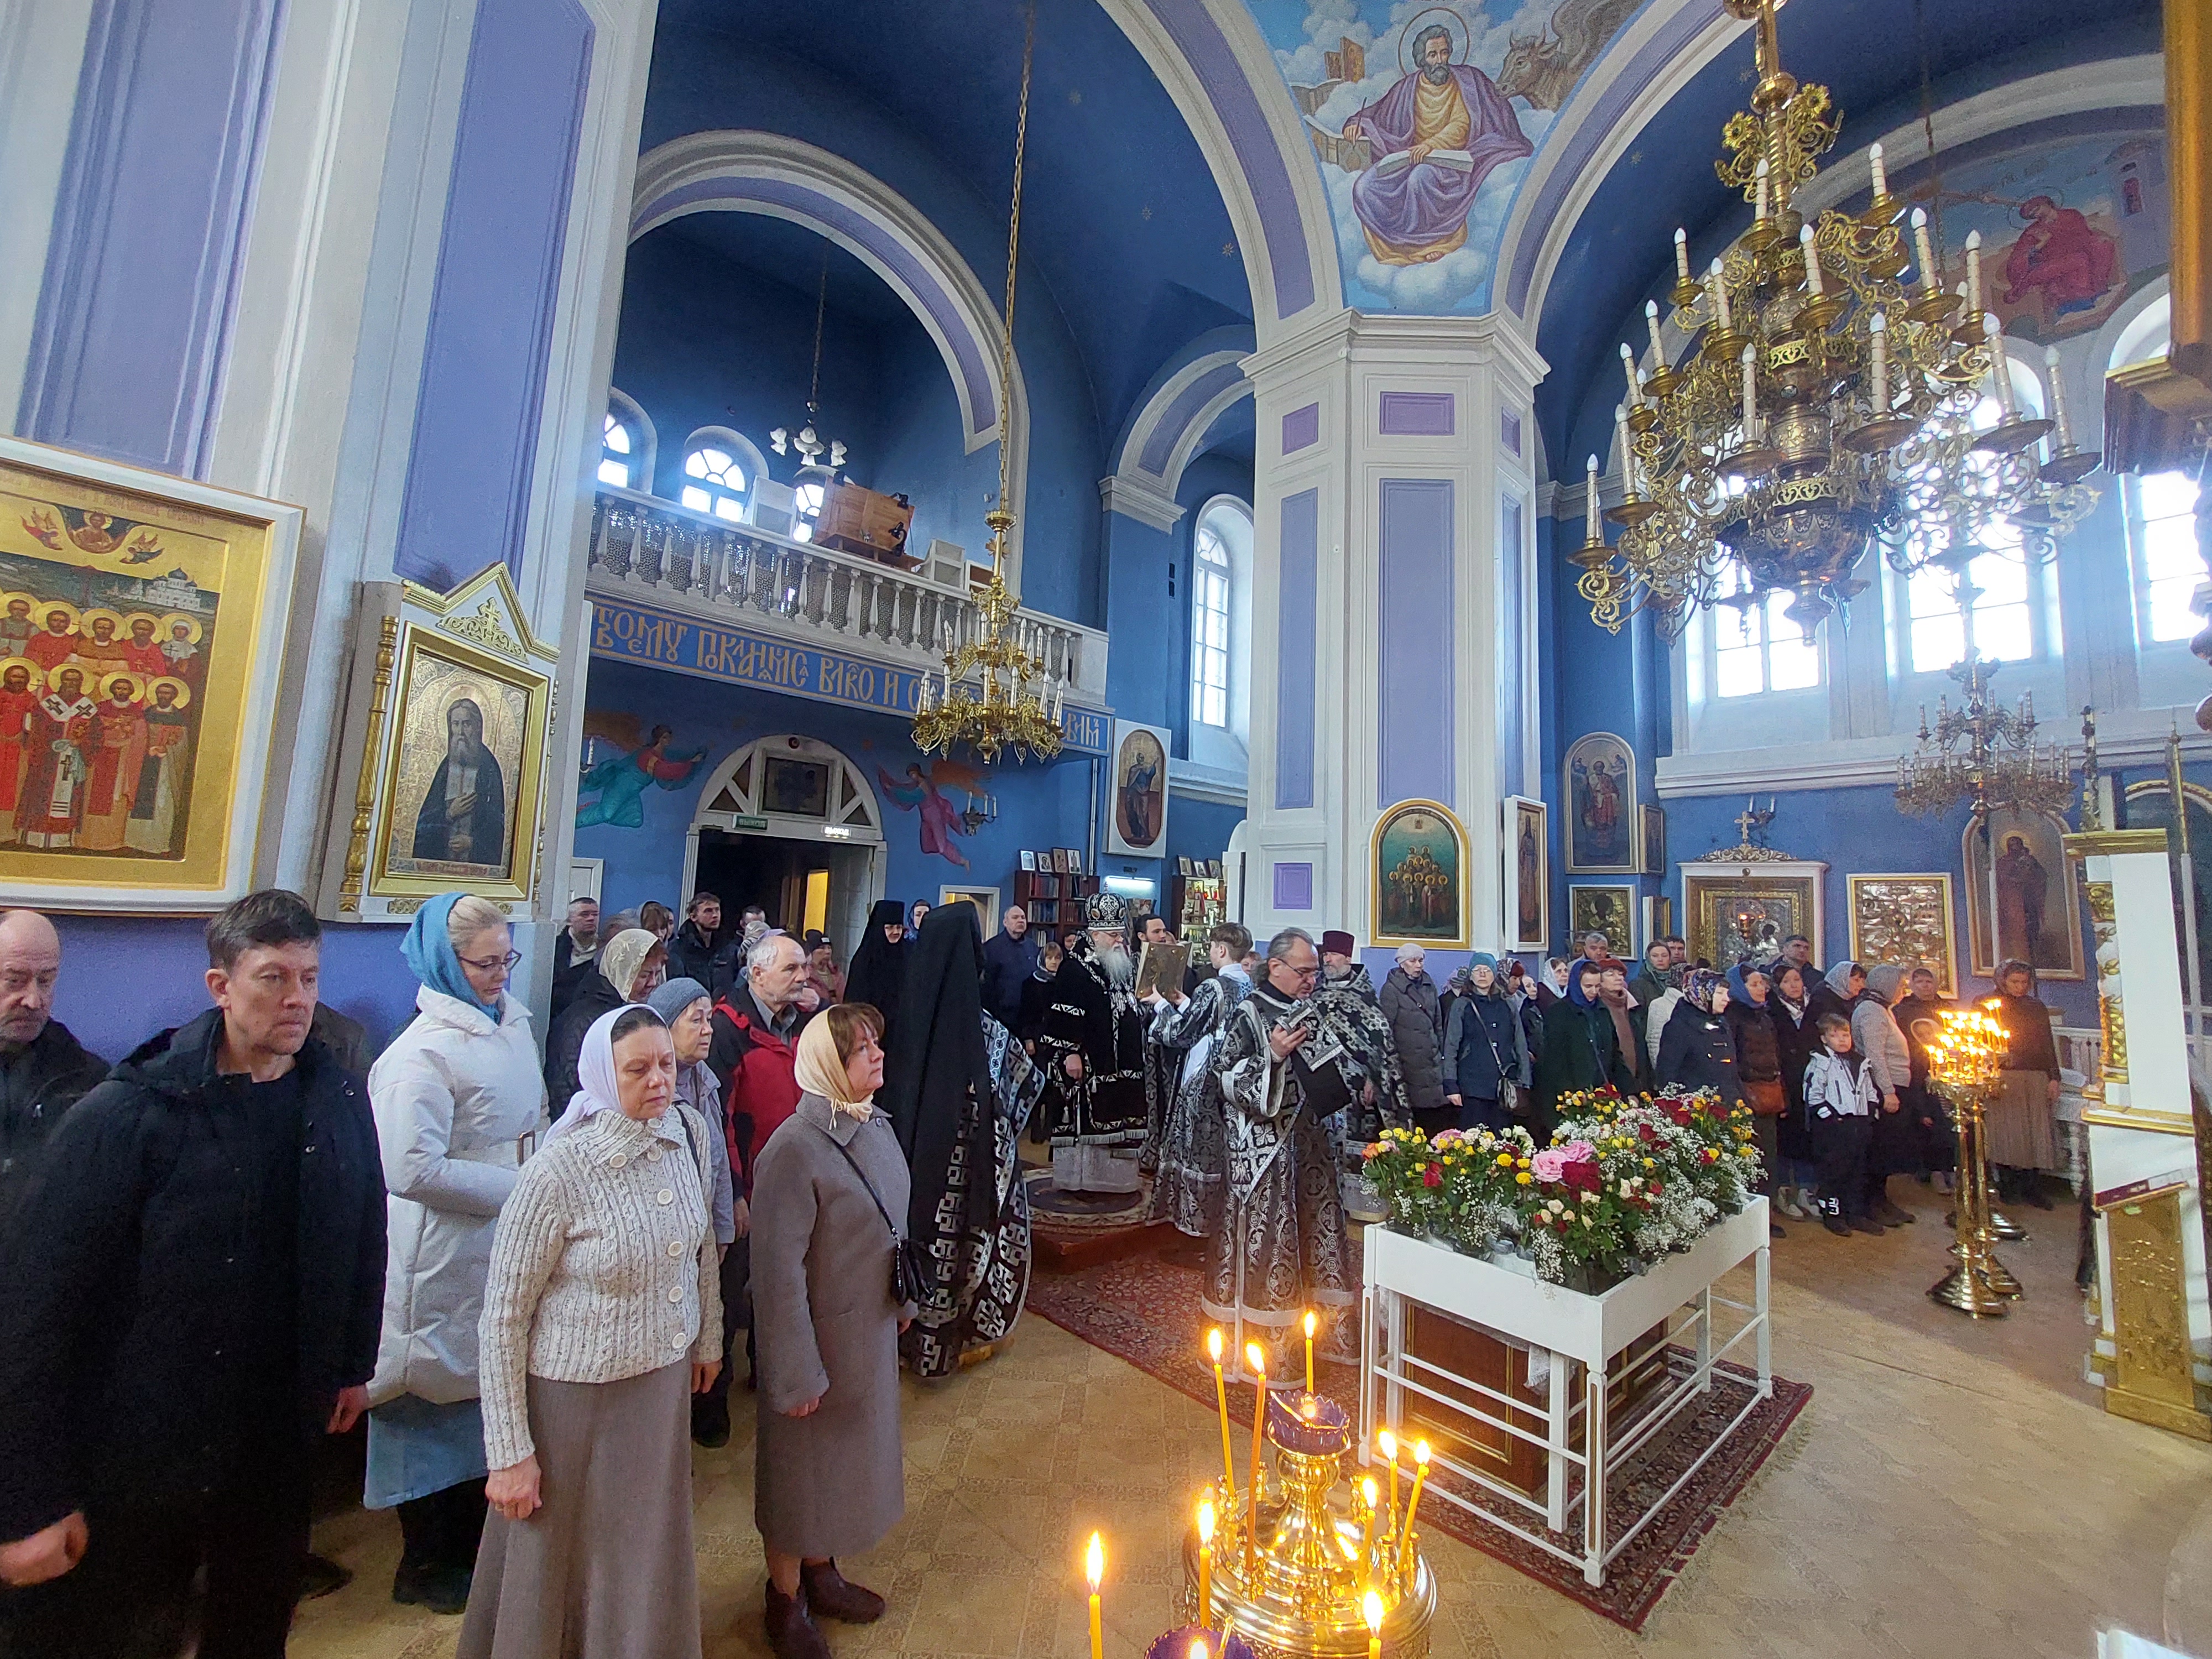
x=782 y=177
x=1164 y=434
x=631 y=413
x=737 y=789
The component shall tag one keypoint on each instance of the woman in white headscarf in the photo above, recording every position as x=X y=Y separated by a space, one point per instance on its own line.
x=602 y=1316
x=629 y=968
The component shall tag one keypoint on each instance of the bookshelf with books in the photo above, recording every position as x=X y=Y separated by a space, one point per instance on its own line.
x=1053 y=899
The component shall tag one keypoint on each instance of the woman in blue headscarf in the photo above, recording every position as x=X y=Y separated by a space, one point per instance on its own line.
x=1587 y=1044
x=458 y=1097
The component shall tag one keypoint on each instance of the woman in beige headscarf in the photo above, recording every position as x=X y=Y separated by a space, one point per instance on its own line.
x=829 y=1204
x=630 y=964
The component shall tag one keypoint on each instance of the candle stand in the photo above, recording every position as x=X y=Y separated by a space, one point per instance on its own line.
x=1294 y=1590
x=1965 y=1063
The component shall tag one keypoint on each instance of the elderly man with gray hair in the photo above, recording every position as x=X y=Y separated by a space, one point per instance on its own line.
x=1284 y=1247
x=42 y=1069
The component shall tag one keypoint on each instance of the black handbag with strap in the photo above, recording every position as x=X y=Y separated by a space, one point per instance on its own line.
x=910 y=1268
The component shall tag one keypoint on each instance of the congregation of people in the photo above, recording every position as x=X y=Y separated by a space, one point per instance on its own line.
x=537 y=1266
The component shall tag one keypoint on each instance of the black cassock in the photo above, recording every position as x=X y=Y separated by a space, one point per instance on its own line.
x=486 y=821
x=1105 y=1025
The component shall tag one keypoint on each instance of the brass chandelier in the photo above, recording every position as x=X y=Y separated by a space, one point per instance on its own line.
x=1982 y=754
x=1826 y=404
x=1006 y=712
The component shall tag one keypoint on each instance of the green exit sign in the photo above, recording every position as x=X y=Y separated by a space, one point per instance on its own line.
x=742 y=822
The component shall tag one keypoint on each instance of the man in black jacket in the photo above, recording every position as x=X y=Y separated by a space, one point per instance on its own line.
x=42 y=1069
x=195 y=1288
x=691 y=953
x=1010 y=962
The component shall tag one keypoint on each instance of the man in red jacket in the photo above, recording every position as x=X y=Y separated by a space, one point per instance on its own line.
x=754 y=1052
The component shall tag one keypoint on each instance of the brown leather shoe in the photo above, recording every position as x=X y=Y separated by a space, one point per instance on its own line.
x=829 y=1594
x=790 y=1632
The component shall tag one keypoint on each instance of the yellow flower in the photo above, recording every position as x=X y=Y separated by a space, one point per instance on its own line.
x=1524 y=1177
x=1506 y=1159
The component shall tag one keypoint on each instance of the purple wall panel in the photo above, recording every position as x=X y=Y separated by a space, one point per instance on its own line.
x=1295 y=634
x=1413 y=536
x=1301 y=428
x=1512 y=706
x=499 y=278
x=1416 y=414
x=1294 y=887
x=135 y=310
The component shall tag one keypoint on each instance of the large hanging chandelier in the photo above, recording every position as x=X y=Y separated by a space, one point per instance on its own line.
x=1824 y=404
x=1982 y=754
x=1005 y=713
x=810 y=488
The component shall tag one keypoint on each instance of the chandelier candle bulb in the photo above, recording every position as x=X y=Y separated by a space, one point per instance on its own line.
x=1094 y=1569
x=2000 y=365
x=1256 y=1358
x=1881 y=177
x=1878 y=333
x=1681 y=257
x=1766 y=190
x=1931 y=279
x=1627 y=476
x=1221 y=1395
x=1628 y=367
x=1813 y=281
x=1651 y=322
x=2063 y=438
x=1973 y=273
x=1719 y=286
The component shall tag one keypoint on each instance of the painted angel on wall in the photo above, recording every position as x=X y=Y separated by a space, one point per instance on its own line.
x=923 y=792
x=621 y=780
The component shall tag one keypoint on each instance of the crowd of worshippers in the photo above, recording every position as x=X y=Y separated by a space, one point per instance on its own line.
x=528 y=1265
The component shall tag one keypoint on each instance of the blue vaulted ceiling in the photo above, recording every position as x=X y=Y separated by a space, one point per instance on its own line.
x=1865 y=52
x=1120 y=214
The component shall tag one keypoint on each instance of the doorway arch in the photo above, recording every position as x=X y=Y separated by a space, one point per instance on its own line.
x=788 y=788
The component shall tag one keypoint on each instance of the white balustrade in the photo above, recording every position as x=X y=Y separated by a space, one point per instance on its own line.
x=646 y=549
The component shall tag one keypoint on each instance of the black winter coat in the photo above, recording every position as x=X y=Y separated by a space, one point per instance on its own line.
x=691 y=954
x=1009 y=964
x=1582 y=1050
x=594 y=995
x=1417 y=1029
x=1757 y=1055
x=1484 y=1033
x=1698 y=1051
x=37 y=1085
x=131 y=1295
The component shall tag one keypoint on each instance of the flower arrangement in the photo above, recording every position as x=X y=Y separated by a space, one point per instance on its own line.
x=1624 y=1181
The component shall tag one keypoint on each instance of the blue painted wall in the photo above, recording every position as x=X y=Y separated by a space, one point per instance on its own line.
x=1038 y=806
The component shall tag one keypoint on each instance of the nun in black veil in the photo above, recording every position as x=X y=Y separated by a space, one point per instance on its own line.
x=877 y=973
x=960 y=1090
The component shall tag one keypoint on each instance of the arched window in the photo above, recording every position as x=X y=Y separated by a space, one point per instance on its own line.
x=1997 y=604
x=625 y=445
x=720 y=469
x=1760 y=649
x=1209 y=628
x=2161 y=508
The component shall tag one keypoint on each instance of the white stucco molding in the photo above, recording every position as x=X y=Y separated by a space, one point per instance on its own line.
x=1136 y=495
x=1164 y=435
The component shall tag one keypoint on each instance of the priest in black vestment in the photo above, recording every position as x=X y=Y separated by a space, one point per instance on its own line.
x=1092 y=1046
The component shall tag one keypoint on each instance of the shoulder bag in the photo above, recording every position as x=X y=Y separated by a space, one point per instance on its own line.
x=909 y=1272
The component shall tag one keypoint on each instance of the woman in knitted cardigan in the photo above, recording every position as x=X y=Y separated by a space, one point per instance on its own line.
x=602 y=1316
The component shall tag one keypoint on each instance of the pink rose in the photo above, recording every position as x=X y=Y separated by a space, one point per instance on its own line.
x=1579 y=1151
x=1548 y=1164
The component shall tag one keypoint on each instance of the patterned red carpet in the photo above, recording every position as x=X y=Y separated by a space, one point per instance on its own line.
x=1145 y=1310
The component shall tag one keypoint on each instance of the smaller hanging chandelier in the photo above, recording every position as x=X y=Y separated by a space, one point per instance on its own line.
x=809 y=486
x=1006 y=712
x=1984 y=755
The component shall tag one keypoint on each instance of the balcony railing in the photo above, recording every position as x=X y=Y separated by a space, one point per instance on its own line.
x=643 y=547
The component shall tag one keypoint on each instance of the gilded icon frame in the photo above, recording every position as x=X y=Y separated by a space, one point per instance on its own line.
x=1877 y=939
x=1447 y=936
x=1618 y=898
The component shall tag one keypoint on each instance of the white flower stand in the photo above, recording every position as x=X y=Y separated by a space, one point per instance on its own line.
x=1506 y=1298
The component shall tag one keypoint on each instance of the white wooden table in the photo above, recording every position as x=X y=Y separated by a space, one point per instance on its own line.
x=1510 y=1302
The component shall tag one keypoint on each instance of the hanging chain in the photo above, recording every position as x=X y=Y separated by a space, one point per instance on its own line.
x=1013 y=249
x=821 y=303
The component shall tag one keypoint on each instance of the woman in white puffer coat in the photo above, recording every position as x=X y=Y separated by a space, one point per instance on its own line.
x=459 y=1098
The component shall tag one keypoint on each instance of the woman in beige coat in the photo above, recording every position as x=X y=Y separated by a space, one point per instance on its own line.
x=829 y=1198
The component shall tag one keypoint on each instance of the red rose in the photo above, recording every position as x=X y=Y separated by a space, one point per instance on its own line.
x=1583 y=1177
x=1433 y=1176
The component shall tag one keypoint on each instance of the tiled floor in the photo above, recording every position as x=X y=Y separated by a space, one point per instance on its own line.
x=1952 y=1490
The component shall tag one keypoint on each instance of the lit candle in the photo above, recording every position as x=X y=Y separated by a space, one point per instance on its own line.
x=1628 y=367
x=1764 y=190
x=1881 y=177
x=1682 y=254
x=1930 y=278
x=1368 y=1494
x=1805 y=241
x=2000 y=365
x=1651 y=322
x=1310 y=1322
x=2065 y=433
x=1204 y=1561
x=1973 y=273
x=1256 y=1358
x=1221 y=1397
x=1386 y=1443
x=1591 y=533
x=1370 y=1605
x=1719 y=286
x=1750 y=392
x=1198 y=1648
x=1413 y=1503
x=1094 y=1568
x=1878 y=331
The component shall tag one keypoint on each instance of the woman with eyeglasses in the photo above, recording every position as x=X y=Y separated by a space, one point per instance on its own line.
x=457 y=1097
